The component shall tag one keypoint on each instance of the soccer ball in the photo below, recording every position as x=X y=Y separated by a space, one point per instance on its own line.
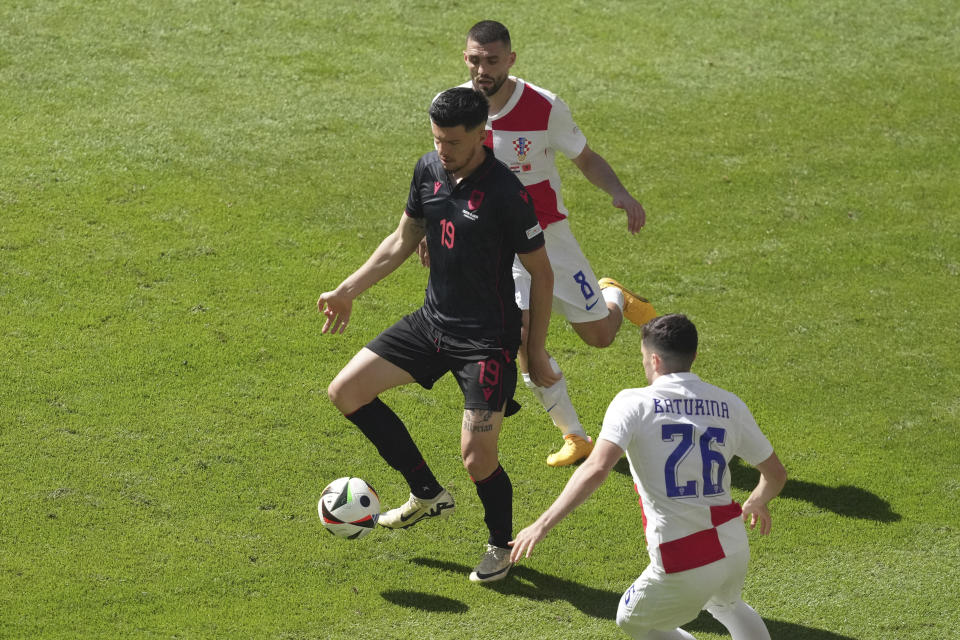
x=349 y=508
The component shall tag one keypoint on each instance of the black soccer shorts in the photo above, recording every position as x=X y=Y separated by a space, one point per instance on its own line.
x=485 y=369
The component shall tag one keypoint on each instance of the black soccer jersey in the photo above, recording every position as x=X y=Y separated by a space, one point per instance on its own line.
x=473 y=229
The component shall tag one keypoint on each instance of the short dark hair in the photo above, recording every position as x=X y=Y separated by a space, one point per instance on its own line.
x=487 y=31
x=460 y=105
x=674 y=338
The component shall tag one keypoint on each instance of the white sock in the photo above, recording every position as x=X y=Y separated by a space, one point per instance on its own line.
x=556 y=402
x=537 y=391
x=614 y=295
x=741 y=621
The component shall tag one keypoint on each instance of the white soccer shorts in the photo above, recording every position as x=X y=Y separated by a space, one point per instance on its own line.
x=664 y=601
x=576 y=292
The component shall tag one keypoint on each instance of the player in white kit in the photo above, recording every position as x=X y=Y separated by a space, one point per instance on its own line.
x=526 y=128
x=679 y=434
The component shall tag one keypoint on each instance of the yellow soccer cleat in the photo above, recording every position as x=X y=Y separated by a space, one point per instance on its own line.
x=636 y=309
x=573 y=450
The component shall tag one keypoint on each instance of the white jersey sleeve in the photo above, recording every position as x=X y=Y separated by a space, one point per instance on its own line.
x=623 y=411
x=753 y=447
x=565 y=135
x=625 y=425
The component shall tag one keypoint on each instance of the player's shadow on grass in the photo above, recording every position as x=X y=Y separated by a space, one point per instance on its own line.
x=534 y=585
x=622 y=467
x=598 y=603
x=844 y=500
x=425 y=601
x=706 y=623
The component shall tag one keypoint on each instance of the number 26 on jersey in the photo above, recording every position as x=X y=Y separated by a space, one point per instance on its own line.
x=713 y=464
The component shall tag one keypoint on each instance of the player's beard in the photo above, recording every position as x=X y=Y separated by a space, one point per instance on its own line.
x=492 y=88
x=454 y=170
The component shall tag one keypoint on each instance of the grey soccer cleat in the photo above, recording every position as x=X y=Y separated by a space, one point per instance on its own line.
x=494 y=565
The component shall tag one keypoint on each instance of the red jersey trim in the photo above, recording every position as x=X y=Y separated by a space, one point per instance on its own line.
x=545 y=203
x=531 y=113
x=643 y=512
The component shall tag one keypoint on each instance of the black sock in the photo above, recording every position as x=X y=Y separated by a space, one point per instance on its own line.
x=389 y=435
x=496 y=494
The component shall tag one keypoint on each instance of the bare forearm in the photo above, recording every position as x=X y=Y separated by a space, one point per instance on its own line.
x=600 y=174
x=765 y=491
x=581 y=486
x=537 y=264
x=541 y=302
x=773 y=477
x=381 y=263
x=391 y=253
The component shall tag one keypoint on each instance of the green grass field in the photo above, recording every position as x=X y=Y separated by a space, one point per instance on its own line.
x=180 y=180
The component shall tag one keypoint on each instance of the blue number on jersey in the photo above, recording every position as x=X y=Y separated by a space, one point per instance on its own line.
x=714 y=464
x=685 y=431
x=712 y=460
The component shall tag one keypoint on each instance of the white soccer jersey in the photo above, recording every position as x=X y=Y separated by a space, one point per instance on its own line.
x=526 y=134
x=680 y=434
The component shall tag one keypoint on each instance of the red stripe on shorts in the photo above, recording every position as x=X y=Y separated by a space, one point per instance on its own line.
x=689 y=552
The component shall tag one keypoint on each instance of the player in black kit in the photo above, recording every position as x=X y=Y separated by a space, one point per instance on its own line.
x=476 y=216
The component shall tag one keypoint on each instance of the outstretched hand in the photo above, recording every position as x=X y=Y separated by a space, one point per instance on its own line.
x=636 y=216
x=541 y=371
x=423 y=253
x=754 y=512
x=337 y=308
x=522 y=545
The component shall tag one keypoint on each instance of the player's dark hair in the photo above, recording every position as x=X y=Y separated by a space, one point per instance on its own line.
x=487 y=31
x=674 y=338
x=460 y=105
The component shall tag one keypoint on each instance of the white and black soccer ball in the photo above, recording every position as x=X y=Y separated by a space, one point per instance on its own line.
x=349 y=508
